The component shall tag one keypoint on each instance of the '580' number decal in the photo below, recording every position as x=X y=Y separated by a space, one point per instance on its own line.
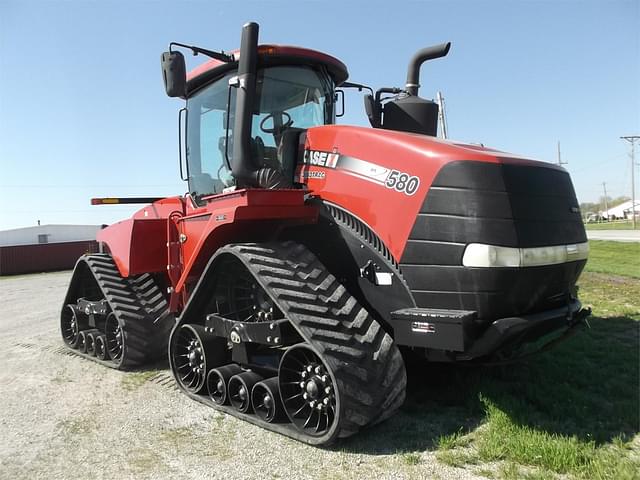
x=402 y=182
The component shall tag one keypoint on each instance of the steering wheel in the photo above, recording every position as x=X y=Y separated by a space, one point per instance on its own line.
x=279 y=126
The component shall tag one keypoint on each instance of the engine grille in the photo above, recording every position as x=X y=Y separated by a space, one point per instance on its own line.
x=510 y=205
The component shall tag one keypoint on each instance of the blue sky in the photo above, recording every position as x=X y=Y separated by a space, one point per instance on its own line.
x=83 y=112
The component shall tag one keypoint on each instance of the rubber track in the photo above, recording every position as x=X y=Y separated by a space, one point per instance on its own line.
x=366 y=364
x=138 y=304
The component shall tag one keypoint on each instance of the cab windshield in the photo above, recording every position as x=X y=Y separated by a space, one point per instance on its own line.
x=287 y=97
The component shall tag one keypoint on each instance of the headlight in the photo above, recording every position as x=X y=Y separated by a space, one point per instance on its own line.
x=481 y=255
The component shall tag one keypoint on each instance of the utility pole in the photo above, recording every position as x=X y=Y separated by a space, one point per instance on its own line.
x=442 y=115
x=560 y=162
x=632 y=140
x=606 y=206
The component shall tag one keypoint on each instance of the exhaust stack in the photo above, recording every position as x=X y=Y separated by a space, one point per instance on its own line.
x=241 y=165
x=421 y=56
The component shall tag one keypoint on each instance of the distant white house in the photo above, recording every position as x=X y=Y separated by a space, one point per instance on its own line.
x=48 y=234
x=621 y=211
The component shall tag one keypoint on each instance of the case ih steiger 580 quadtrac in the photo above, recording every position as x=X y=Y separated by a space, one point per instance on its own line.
x=307 y=255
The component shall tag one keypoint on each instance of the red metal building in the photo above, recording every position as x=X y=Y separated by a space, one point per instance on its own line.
x=45 y=248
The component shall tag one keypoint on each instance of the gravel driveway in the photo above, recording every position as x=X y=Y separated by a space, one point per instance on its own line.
x=67 y=417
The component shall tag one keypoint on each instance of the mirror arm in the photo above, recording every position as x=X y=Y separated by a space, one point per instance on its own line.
x=359 y=86
x=392 y=90
x=223 y=57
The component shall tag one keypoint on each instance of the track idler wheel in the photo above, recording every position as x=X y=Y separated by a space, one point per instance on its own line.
x=217 y=381
x=101 y=347
x=72 y=322
x=308 y=391
x=194 y=353
x=266 y=401
x=239 y=389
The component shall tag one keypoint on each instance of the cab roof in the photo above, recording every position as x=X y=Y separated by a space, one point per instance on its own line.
x=269 y=55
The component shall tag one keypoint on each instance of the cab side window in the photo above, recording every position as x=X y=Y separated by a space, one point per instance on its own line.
x=207 y=138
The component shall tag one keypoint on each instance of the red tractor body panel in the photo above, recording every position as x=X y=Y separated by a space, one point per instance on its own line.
x=137 y=245
x=164 y=208
x=179 y=236
x=351 y=167
x=345 y=165
x=242 y=215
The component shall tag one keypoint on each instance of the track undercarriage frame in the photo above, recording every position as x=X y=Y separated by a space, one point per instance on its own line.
x=301 y=357
x=119 y=322
x=269 y=336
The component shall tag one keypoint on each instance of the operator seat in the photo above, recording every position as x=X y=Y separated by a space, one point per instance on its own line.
x=288 y=151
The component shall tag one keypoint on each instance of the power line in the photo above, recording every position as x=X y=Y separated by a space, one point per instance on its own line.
x=83 y=186
x=597 y=163
x=632 y=140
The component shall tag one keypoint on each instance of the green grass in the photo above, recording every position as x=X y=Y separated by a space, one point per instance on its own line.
x=411 y=458
x=509 y=471
x=486 y=473
x=616 y=225
x=572 y=412
x=576 y=409
x=456 y=458
x=453 y=440
x=617 y=258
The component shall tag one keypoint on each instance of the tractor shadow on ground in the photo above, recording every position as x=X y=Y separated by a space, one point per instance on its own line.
x=587 y=387
x=158 y=365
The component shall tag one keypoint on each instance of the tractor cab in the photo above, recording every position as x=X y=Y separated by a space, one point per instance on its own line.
x=243 y=122
x=288 y=100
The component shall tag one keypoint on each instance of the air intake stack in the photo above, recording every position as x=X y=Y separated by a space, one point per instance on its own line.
x=409 y=112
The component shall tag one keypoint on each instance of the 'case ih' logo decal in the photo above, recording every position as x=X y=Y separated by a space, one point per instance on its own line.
x=321 y=159
x=393 y=179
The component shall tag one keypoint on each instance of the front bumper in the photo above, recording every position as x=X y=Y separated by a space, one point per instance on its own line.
x=508 y=333
x=457 y=333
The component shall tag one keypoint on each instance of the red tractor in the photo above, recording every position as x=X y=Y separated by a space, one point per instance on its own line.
x=307 y=258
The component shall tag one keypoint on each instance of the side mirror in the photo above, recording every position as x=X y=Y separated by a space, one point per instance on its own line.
x=339 y=100
x=370 y=109
x=174 y=74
